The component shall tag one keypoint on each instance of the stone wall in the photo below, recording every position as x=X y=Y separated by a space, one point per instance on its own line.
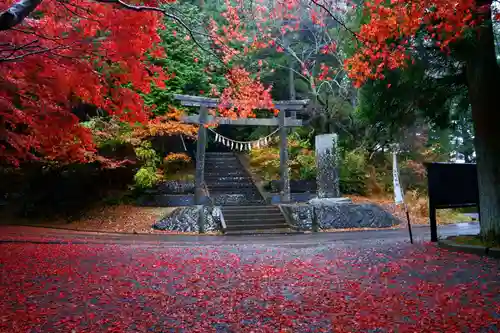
x=176 y=187
x=185 y=219
x=339 y=216
x=169 y=200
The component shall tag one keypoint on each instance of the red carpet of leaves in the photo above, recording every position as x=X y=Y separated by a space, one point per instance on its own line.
x=146 y=288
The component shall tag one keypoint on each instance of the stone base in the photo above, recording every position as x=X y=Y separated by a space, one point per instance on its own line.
x=185 y=219
x=449 y=244
x=329 y=201
x=168 y=200
x=176 y=187
x=339 y=215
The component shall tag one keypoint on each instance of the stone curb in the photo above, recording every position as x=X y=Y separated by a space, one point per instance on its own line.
x=472 y=249
x=494 y=252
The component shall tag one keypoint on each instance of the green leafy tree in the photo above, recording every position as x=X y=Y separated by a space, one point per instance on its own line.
x=191 y=69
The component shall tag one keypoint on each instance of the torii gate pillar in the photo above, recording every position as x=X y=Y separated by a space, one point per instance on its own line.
x=201 y=145
x=284 y=171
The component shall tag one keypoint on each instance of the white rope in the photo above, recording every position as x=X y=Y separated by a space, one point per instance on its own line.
x=183 y=143
x=243 y=145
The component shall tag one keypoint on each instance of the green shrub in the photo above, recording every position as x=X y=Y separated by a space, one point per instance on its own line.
x=266 y=162
x=353 y=174
x=147 y=155
x=146 y=177
x=307 y=167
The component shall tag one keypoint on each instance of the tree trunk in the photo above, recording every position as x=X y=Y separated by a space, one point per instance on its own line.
x=483 y=76
x=17 y=13
x=291 y=82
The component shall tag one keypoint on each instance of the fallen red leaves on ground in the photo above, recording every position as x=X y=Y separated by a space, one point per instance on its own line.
x=117 y=218
x=118 y=288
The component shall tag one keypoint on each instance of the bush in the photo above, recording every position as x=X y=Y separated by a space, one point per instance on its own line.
x=147 y=155
x=353 y=173
x=307 y=166
x=176 y=162
x=266 y=162
x=146 y=177
x=301 y=161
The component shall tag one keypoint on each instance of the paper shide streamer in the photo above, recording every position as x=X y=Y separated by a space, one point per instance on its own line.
x=244 y=145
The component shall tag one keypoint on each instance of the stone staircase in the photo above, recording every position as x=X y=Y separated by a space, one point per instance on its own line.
x=228 y=182
x=243 y=208
x=254 y=219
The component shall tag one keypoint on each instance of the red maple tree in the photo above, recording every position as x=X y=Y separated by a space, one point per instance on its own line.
x=231 y=41
x=64 y=54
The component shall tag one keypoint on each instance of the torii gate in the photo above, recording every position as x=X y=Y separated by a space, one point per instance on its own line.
x=204 y=103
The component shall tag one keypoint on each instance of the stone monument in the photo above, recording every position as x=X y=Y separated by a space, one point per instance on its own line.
x=329 y=210
x=327 y=173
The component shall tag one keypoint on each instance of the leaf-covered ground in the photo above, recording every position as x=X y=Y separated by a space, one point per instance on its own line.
x=146 y=288
x=117 y=218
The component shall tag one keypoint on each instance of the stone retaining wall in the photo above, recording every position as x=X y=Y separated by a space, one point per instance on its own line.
x=176 y=187
x=185 y=219
x=339 y=216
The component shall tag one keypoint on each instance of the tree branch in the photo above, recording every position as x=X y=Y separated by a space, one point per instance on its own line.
x=339 y=21
x=192 y=33
x=44 y=50
x=17 y=13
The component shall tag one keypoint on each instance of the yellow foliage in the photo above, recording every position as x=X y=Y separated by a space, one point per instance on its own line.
x=167 y=125
x=176 y=162
x=177 y=157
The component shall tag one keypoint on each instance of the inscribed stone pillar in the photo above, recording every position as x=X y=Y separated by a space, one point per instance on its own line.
x=327 y=174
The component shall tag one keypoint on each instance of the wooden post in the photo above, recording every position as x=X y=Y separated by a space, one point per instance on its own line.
x=432 y=217
x=284 y=176
x=200 y=156
x=315 y=224
x=409 y=223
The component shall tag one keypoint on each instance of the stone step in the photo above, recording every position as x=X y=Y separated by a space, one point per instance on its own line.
x=228 y=190
x=255 y=227
x=251 y=209
x=235 y=199
x=259 y=232
x=219 y=153
x=224 y=161
x=238 y=199
x=218 y=163
x=228 y=182
x=222 y=158
x=224 y=168
x=233 y=223
x=242 y=194
x=225 y=173
x=227 y=178
x=254 y=222
x=240 y=216
x=242 y=213
x=229 y=185
x=217 y=180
